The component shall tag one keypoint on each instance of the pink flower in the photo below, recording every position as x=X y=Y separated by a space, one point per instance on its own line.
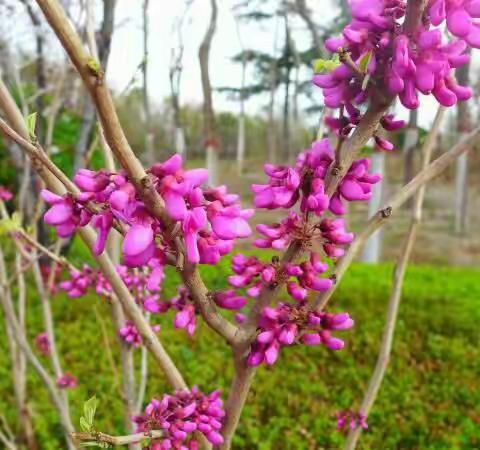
x=349 y=420
x=65 y=213
x=5 y=194
x=42 y=343
x=288 y=324
x=138 y=245
x=131 y=335
x=182 y=414
x=185 y=317
x=230 y=300
x=356 y=185
x=67 y=381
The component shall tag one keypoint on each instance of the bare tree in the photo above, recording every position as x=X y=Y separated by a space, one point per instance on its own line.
x=175 y=76
x=210 y=139
x=464 y=126
x=149 y=136
x=242 y=98
x=273 y=82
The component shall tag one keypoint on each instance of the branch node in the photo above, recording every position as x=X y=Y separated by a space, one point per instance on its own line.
x=386 y=212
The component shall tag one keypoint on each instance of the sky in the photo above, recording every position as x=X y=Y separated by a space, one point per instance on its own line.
x=127 y=48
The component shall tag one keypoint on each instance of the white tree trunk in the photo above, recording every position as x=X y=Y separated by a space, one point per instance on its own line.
x=241 y=142
x=461 y=193
x=180 y=141
x=373 y=247
x=212 y=165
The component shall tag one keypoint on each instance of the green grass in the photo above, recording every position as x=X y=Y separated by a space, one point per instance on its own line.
x=429 y=398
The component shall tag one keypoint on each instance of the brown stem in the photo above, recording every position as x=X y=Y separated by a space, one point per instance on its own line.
x=350 y=150
x=22 y=342
x=94 y=81
x=116 y=440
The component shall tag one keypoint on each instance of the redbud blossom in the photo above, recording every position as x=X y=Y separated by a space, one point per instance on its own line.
x=180 y=415
x=42 y=342
x=67 y=381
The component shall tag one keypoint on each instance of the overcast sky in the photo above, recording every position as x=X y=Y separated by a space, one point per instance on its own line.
x=127 y=47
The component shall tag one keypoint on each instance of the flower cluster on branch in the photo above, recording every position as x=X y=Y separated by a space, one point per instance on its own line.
x=182 y=414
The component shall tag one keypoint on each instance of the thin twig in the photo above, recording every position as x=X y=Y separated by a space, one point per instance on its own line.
x=391 y=206
x=396 y=292
x=108 y=268
x=116 y=440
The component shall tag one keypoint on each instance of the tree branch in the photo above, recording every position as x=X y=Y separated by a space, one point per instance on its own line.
x=117 y=141
x=116 y=440
x=392 y=205
x=396 y=292
x=105 y=263
x=350 y=150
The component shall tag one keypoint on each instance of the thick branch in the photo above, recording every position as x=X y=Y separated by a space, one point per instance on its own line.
x=93 y=79
x=117 y=141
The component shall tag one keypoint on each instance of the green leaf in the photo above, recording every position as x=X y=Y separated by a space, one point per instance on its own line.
x=94 y=66
x=31 y=121
x=14 y=223
x=84 y=425
x=365 y=61
x=326 y=65
x=89 y=408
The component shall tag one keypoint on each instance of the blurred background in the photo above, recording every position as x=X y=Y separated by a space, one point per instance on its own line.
x=227 y=83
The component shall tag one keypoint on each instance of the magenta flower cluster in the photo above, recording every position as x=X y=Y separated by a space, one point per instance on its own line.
x=42 y=343
x=130 y=334
x=5 y=194
x=404 y=64
x=181 y=415
x=290 y=324
x=211 y=219
x=67 y=381
x=350 y=420
x=306 y=182
x=145 y=286
x=303 y=184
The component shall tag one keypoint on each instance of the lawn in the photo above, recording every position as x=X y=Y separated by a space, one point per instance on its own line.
x=429 y=400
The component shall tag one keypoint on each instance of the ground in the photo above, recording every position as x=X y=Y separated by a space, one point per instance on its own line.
x=429 y=398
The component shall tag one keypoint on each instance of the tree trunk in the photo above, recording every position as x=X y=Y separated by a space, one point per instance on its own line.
x=149 y=137
x=464 y=126
x=306 y=15
x=373 y=247
x=286 y=101
x=409 y=146
x=241 y=122
x=175 y=75
x=210 y=140
x=273 y=80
